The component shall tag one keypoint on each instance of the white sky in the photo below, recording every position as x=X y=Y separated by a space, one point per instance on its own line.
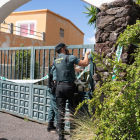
x=98 y=3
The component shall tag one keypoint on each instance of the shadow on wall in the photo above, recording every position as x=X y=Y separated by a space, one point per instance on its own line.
x=3 y=139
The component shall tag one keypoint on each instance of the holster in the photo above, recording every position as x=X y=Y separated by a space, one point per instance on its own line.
x=53 y=88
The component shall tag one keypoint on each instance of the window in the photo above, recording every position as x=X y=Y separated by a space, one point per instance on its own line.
x=61 y=32
x=27 y=28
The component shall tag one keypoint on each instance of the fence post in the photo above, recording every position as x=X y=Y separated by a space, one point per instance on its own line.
x=11 y=28
x=32 y=72
x=43 y=36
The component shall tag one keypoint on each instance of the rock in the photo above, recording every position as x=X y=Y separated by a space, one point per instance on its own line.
x=107 y=43
x=100 y=69
x=124 y=58
x=134 y=13
x=103 y=21
x=104 y=7
x=113 y=37
x=118 y=22
x=98 y=36
x=124 y=25
x=105 y=75
x=123 y=12
x=112 y=11
x=110 y=27
x=107 y=51
x=129 y=20
x=128 y=6
x=127 y=58
x=121 y=3
x=110 y=44
x=102 y=13
x=120 y=30
x=105 y=36
x=96 y=77
x=99 y=47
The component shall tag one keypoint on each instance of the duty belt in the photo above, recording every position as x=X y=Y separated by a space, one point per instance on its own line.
x=66 y=83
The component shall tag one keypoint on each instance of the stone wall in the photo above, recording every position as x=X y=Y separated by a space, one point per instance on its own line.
x=112 y=20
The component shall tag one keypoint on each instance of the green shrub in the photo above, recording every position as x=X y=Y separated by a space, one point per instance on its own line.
x=26 y=63
x=118 y=117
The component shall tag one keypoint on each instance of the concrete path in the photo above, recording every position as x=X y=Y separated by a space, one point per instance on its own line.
x=14 y=128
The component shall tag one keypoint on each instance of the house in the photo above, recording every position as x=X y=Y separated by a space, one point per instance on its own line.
x=53 y=27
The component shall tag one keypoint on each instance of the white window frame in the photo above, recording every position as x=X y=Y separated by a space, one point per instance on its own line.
x=18 y=23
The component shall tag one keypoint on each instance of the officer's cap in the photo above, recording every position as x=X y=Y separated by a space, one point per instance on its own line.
x=59 y=46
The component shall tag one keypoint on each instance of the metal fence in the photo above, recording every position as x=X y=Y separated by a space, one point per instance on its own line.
x=31 y=101
x=12 y=29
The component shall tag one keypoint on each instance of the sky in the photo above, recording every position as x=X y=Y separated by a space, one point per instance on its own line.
x=70 y=9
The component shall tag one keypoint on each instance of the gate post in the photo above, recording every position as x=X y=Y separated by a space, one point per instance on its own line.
x=32 y=70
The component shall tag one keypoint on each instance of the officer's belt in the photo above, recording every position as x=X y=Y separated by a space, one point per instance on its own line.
x=66 y=83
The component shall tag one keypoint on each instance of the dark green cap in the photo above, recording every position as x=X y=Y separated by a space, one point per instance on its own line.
x=59 y=46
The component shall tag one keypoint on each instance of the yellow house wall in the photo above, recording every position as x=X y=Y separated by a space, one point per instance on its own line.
x=72 y=35
x=9 y=40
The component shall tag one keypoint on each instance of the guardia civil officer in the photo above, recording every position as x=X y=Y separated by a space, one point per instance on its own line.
x=65 y=88
x=52 y=114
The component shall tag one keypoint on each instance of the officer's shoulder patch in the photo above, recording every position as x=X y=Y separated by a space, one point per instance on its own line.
x=59 y=59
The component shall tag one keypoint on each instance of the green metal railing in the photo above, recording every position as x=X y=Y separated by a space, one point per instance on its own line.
x=31 y=100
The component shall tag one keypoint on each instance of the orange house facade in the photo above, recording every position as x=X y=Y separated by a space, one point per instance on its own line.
x=38 y=24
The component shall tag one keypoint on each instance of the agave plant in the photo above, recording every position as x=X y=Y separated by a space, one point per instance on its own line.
x=92 y=13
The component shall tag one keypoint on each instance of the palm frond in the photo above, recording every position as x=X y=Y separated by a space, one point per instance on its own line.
x=92 y=14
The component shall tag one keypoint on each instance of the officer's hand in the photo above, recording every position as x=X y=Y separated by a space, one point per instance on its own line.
x=88 y=52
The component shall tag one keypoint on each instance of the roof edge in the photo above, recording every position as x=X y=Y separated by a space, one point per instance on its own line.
x=44 y=10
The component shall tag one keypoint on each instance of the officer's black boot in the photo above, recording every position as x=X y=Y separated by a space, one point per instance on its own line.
x=51 y=127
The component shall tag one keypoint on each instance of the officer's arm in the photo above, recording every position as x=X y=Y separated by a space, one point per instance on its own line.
x=85 y=61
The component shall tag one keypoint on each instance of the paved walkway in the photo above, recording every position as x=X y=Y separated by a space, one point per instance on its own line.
x=14 y=128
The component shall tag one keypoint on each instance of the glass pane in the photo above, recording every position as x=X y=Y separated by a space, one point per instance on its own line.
x=24 y=30
x=32 y=26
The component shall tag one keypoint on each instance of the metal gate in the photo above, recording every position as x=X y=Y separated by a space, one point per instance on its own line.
x=31 y=101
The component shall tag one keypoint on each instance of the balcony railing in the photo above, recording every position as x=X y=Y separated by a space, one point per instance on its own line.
x=12 y=29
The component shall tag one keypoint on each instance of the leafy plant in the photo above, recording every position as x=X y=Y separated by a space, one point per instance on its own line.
x=25 y=57
x=130 y=35
x=92 y=13
x=118 y=116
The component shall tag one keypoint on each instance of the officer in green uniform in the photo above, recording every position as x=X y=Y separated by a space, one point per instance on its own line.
x=52 y=114
x=65 y=89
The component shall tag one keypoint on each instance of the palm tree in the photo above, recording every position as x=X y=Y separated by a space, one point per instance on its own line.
x=92 y=13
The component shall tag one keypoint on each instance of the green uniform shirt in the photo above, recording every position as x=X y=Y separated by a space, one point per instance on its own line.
x=72 y=60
